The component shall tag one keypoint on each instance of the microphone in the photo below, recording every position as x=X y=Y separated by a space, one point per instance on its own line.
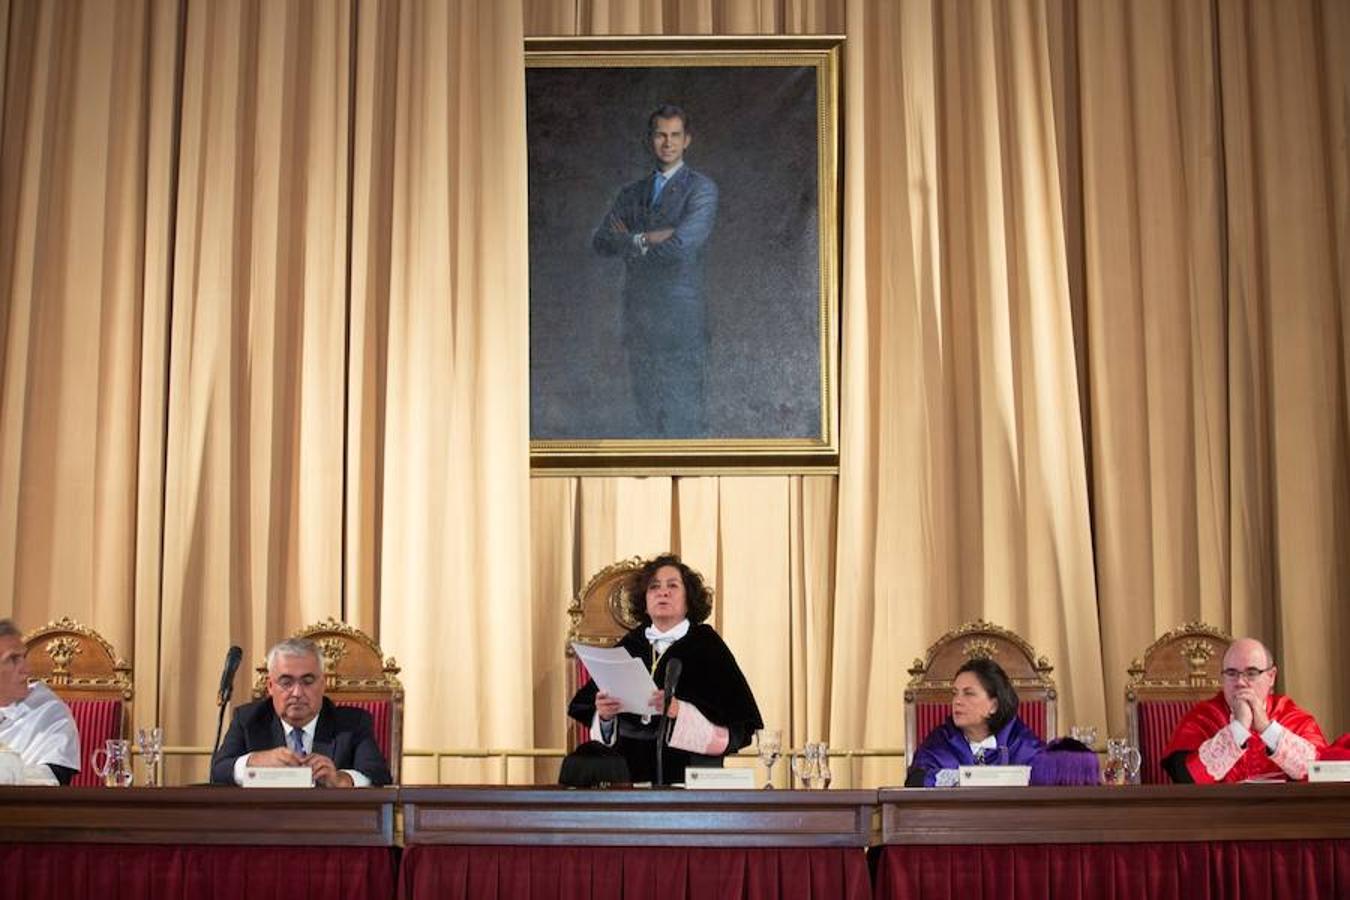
x=673 y=670
x=672 y=678
x=232 y=659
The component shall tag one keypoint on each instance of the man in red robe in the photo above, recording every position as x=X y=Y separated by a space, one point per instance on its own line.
x=1245 y=732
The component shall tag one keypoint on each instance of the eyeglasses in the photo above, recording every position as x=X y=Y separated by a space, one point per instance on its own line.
x=1251 y=673
x=288 y=683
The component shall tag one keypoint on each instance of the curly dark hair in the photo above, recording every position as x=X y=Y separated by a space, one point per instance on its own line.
x=696 y=595
x=997 y=685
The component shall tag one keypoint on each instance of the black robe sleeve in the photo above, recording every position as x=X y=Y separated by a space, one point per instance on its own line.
x=711 y=680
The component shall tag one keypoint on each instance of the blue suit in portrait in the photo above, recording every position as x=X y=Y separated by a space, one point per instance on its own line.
x=664 y=319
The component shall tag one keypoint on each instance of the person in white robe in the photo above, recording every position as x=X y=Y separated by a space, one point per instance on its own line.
x=35 y=724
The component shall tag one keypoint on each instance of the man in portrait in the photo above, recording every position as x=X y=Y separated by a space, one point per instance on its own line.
x=1245 y=732
x=296 y=725
x=659 y=226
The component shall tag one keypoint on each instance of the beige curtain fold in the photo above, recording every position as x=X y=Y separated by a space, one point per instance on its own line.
x=83 y=265
x=1154 y=212
x=1286 y=100
x=253 y=468
x=440 y=362
x=263 y=353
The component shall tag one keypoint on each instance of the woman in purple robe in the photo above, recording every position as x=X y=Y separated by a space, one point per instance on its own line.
x=983 y=729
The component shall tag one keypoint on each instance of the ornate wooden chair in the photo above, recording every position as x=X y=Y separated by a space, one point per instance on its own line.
x=1177 y=670
x=928 y=697
x=357 y=674
x=83 y=670
x=599 y=615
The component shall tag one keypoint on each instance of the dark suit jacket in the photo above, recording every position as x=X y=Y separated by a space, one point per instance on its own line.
x=343 y=734
x=664 y=320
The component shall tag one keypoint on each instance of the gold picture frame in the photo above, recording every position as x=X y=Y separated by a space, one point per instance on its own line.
x=714 y=345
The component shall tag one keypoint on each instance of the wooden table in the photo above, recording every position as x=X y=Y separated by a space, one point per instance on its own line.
x=198 y=815
x=638 y=818
x=518 y=843
x=148 y=843
x=1174 y=841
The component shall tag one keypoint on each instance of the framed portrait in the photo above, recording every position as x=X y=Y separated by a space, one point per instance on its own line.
x=683 y=253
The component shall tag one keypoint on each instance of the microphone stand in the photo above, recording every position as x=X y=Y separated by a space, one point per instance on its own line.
x=223 y=702
x=671 y=678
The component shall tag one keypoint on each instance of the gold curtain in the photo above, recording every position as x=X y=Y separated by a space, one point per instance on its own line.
x=263 y=352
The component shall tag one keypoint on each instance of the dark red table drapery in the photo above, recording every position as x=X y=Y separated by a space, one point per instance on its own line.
x=1220 y=870
x=612 y=873
x=157 y=872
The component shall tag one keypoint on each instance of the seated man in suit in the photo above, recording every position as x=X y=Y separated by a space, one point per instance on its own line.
x=295 y=725
x=34 y=722
x=1244 y=732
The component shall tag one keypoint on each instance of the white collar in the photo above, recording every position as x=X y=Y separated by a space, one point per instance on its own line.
x=656 y=636
x=989 y=743
x=307 y=730
x=666 y=176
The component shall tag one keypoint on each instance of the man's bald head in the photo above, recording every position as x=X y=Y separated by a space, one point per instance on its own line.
x=1247 y=664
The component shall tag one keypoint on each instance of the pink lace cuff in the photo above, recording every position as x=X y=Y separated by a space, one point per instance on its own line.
x=1293 y=755
x=1219 y=754
x=694 y=733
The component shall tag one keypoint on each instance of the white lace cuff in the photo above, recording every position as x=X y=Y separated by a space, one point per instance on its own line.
x=1219 y=754
x=694 y=733
x=1293 y=755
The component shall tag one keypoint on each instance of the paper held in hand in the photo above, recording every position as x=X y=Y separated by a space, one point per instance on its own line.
x=621 y=676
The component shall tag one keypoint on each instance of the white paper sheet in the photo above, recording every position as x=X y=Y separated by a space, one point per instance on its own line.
x=621 y=676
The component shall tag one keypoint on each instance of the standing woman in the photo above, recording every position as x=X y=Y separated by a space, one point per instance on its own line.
x=982 y=729
x=712 y=713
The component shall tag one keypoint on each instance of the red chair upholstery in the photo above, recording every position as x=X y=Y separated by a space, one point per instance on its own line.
x=1175 y=672
x=97 y=721
x=82 y=668
x=1157 y=720
x=356 y=674
x=929 y=692
x=382 y=715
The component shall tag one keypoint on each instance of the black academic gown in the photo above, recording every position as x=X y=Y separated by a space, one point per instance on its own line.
x=710 y=680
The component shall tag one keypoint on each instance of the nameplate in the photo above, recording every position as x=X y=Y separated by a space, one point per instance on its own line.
x=711 y=779
x=1329 y=770
x=278 y=777
x=994 y=776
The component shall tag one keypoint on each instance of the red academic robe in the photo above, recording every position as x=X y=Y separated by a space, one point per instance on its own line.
x=1338 y=749
x=1208 y=717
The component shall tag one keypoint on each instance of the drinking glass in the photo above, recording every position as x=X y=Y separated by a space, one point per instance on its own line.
x=812 y=765
x=115 y=768
x=769 y=744
x=1084 y=734
x=1122 y=762
x=150 y=742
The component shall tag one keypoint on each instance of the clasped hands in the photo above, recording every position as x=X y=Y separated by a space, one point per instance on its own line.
x=326 y=773
x=1249 y=710
x=659 y=236
x=608 y=707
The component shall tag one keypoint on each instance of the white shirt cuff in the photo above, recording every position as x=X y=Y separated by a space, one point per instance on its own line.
x=358 y=780
x=239 y=765
x=1271 y=736
x=1241 y=733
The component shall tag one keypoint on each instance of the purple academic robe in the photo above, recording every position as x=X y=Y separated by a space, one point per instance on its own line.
x=947 y=748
